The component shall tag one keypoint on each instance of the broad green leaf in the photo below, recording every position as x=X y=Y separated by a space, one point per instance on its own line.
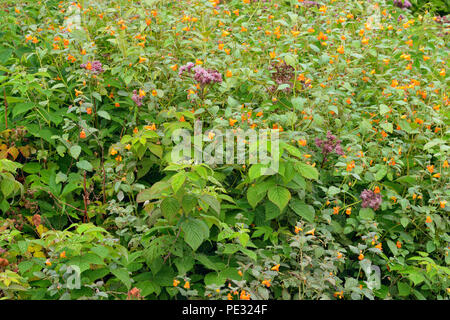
x=195 y=232
x=303 y=210
x=279 y=196
x=307 y=171
x=75 y=151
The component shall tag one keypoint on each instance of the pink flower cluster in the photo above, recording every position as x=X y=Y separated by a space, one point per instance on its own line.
x=201 y=75
x=96 y=66
x=329 y=145
x=137 y=98
x=370 y=199
x=402 y=4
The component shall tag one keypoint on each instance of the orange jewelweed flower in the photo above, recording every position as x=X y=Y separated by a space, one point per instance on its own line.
x=175 y=282
x=276 y=268
x=428 y=219
x=82 y=134
x=266 y=283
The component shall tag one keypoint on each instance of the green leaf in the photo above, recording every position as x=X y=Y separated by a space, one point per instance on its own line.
x=7 y=186
x=211 y=201
x=255 y=194
x=403 y=289
x=123 y=276
x=214 y=278
x=22 y=108
x=393 y=247
x=195 y=232
x=177 y=181
x=104 y=114
x=279 y=196
x=188 y=202
x=303 y=210
x=148 y=287
x=75 y=151
x=404 y=221
x=169 y=208
x=97 y=96
x=384 y=109
x=366 y=213
x=381 y=173
x=292 y=150
x=85 y=165
x=307 y=171
x=271 y=211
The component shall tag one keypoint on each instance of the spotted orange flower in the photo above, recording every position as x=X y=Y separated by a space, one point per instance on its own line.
x=276 y=268
x=266 y=283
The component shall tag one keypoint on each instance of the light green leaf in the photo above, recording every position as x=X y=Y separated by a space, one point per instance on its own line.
x=279 y=196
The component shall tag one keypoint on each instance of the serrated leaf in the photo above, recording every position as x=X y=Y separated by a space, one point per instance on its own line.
x=75 y=151
x=303 y=210
x=307 y=171
x=279 y=196
x=195 y=232
x=85 y=165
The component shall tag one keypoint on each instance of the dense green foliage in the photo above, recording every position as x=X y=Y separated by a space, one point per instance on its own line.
x=92 y=205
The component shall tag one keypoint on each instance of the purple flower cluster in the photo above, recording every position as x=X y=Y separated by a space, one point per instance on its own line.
x=403 y=4
x=329 y=145
x=201 y=75
x=370 y=199
x=206 y=76
x=282 y=74
x=310 y=4
x=137 y=98
x=187 y=67
x=95 y=67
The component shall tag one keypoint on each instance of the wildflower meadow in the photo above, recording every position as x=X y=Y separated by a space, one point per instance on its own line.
x=224 y=150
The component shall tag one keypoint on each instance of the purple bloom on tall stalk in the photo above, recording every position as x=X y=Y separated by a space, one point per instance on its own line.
x=201 y=75
x=403 y=4
x=206 y=76
x=370 y=199
x=329 y=145
x=187 y=67
x=95 y=67
x=137 y=98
